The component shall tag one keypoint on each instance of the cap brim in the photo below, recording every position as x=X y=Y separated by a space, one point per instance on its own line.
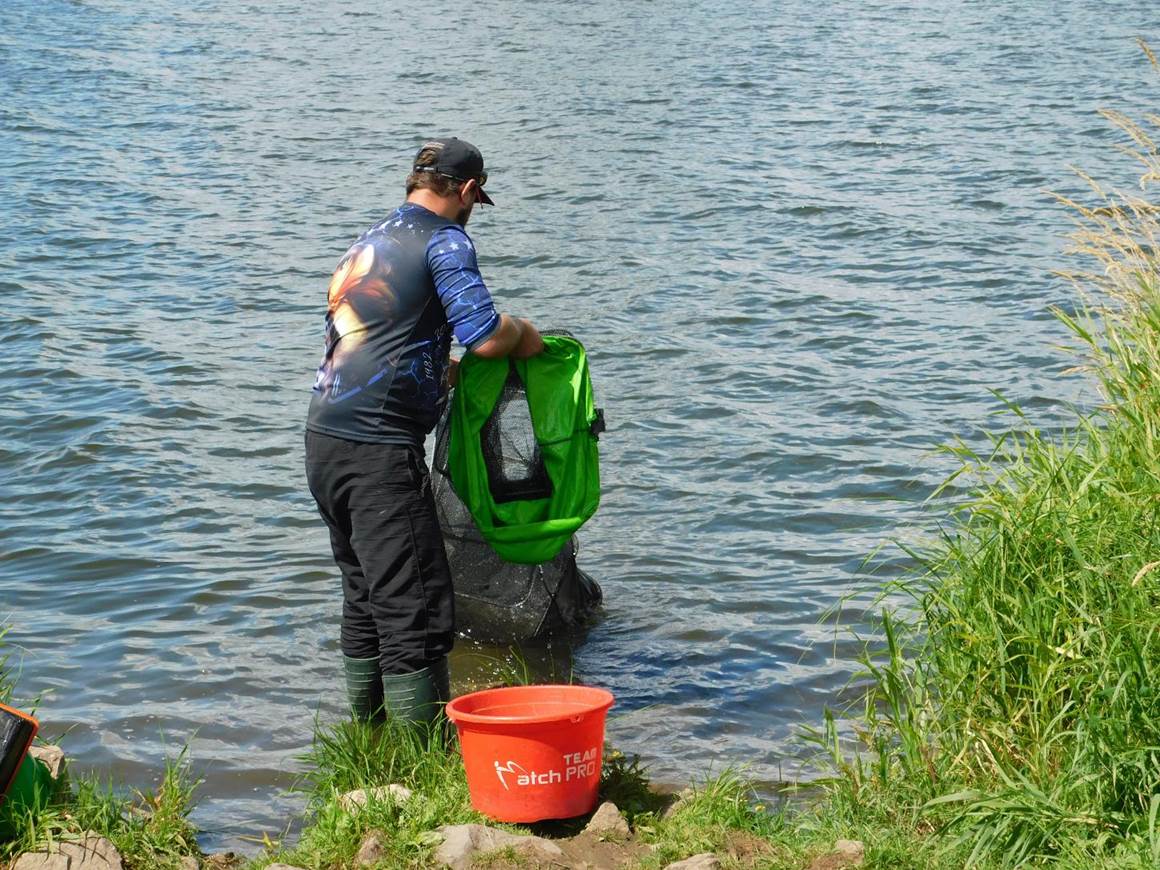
x=483 y=197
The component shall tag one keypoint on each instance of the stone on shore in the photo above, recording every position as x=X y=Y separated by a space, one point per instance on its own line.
x=608 y=822
x=462 y=844
x=51 y=757
x=222 y=861
x=846 y=854
x=371 y=851
x=703 y=861
x=851 y=849
x=353 y=801
x=90 y=852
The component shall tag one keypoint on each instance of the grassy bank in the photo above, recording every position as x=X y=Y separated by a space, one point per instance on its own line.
x=150 y=829
x=349 y=756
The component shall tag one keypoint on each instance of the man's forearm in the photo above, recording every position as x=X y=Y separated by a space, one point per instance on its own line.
x=530 y=342
x=515 y=337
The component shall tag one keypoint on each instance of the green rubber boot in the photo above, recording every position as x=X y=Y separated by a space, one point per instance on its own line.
x=417 y=698
x=364 y=687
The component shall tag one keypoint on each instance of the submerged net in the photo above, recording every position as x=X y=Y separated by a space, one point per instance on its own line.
x=496 y=600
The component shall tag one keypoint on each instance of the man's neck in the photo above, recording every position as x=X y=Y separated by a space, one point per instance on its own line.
x=444 y=206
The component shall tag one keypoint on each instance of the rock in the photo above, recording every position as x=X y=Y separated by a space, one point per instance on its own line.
x=188 y=862
x=371 y=851
x=353 y=801
x=608 y=822
x=846 y=854
x=90 y=852
x=41 y=861
x=222 y=861
x=703 y=861
x=51 y=756
x=463 y=843
x=851 y=849
x=683 y=797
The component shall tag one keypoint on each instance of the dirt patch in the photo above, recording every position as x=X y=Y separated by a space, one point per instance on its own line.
x=581 y=852
x=749 y=850
x=222 y=861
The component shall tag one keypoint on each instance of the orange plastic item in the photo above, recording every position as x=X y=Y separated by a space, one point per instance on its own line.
x=532 y=752
x=16 y=732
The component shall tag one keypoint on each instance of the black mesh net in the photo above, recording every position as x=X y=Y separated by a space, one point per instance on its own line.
x=496 y=600
x=515 y=468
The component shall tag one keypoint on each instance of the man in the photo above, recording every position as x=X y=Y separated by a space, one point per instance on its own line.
x=398 y=294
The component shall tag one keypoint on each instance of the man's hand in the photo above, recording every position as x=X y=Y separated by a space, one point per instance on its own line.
x=452 y=372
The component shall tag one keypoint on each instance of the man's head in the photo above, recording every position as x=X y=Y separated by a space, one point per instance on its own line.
x=448 y=173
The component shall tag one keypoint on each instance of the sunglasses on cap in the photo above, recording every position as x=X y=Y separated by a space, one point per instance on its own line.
x=481 y=179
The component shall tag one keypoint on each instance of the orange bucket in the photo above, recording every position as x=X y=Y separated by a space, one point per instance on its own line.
x=532 y=752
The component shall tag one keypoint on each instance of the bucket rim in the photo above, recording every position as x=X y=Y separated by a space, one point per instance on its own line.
x=600 y=701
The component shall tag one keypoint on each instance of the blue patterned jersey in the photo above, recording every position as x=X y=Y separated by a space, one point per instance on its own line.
x=396 y=298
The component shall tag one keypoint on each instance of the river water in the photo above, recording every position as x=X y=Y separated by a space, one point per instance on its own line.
x=802 y=243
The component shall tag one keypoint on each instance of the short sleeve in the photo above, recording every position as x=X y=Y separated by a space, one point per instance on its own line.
x=470 y=311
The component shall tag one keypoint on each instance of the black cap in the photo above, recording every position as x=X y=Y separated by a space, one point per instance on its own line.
x=455 y=159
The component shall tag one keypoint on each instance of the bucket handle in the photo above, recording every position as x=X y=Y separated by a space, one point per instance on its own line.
x=579 y=717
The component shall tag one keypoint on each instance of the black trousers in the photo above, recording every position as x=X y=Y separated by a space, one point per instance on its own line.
x=397 y=598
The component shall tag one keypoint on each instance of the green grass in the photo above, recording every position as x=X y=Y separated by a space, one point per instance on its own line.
x=719 y=809
x=353 y=755
x=150 y=829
